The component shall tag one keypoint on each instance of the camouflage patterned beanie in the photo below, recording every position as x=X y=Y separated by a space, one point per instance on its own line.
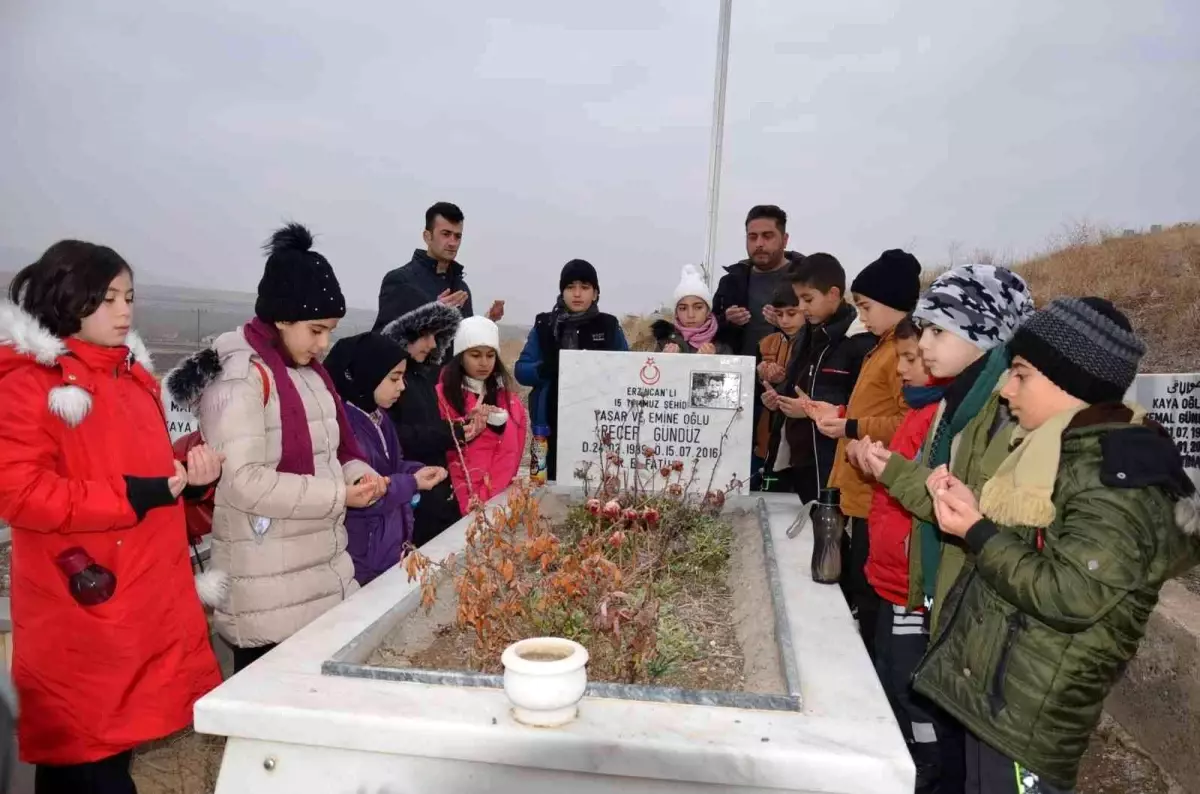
x=983 y=304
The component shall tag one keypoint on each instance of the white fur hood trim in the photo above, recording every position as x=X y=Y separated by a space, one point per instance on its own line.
x=1187 y=515
x=22 y=332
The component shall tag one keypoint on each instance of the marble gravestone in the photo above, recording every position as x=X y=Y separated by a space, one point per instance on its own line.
x=692 y=408
x=1173 y=400
x=180 y=421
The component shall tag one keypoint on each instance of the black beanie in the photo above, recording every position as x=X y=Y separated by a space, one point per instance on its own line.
x=298 y=284
x=578 y=270
x=358 y=364
x=1086 y=346
x=894 y=279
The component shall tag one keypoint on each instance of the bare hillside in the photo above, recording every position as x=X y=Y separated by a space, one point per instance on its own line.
x=1154 y=278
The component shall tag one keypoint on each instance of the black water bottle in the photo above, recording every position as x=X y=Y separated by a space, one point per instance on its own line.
x=828 y=523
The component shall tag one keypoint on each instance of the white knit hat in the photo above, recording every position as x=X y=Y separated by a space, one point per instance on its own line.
x=476 y=332
x=692 y=285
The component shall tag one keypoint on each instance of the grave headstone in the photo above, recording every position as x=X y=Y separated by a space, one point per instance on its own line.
x=691 y=408
x=180 y=421
x=1174 y=402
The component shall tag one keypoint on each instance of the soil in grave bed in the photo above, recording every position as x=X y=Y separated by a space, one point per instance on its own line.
x=716 y=628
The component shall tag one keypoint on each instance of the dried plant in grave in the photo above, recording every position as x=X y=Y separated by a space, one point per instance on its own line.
x=600 y=577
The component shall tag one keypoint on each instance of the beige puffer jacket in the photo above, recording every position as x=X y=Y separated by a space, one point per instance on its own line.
x=278 y=557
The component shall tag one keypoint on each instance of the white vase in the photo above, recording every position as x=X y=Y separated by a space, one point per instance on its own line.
x=544 y=678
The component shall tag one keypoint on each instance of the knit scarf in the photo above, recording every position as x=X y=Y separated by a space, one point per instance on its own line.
x=296 y=456
x=1021 y=492
x=474 y=385
x=700 y=335
x=994 y=367
x=567 y=322
x=916 y=397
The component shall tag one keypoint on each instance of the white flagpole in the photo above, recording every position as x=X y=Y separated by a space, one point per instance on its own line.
x=718 y=139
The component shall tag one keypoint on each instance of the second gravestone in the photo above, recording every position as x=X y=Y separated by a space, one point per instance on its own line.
x=690 y=408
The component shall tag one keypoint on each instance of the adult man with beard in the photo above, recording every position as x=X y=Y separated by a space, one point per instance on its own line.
x=433 y=274
x=743 y=299
x=742 y=302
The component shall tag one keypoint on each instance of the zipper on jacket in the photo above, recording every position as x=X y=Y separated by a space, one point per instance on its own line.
x=996 y=699
x=948 y=620
x=812 y=387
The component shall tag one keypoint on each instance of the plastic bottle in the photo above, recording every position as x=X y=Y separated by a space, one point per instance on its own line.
x=89 y=582
x=538 y=452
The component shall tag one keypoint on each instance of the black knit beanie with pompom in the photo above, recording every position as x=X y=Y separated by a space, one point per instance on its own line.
x=298 y=283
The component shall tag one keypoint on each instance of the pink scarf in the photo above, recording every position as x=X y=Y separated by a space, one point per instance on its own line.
x=297 y=452
x=700 y=335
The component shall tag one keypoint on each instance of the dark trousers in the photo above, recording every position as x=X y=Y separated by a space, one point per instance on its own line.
x=860 y=596
x=934 y=740
x=991 y=772
x=244 y=657
x=437 y=510
x=106 y=776
x=807 y=482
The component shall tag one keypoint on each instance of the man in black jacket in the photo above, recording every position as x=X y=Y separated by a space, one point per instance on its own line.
x=745 y=290
x=427 y=332
x=433 y=274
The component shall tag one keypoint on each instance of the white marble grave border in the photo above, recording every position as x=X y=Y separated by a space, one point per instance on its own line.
x=348 y=661
x=292 y=729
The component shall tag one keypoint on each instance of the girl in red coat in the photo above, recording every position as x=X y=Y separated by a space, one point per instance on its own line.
x=110 y=642
x=476 y=391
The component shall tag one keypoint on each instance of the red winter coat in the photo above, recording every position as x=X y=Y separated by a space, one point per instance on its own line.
x=888 y=523
x=493 y=459
x=93 y=681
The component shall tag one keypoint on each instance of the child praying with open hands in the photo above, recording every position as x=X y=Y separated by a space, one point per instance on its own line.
x=694 y=327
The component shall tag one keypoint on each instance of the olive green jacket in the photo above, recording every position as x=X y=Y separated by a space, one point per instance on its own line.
x=1037 y=630
x=975 y=454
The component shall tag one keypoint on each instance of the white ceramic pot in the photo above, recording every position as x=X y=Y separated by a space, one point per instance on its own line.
x=544 y=678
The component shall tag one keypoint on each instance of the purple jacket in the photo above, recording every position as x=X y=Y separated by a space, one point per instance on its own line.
x=377 y=534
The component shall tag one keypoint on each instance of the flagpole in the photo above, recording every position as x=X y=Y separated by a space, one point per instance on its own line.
x=718 y=139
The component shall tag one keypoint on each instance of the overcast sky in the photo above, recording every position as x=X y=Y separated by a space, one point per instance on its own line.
x=181 y=133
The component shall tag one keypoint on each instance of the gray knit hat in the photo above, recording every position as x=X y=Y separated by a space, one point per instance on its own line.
x=983 y=304
x=1085 y=345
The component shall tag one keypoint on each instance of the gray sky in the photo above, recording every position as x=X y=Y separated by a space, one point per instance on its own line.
x=181 y=133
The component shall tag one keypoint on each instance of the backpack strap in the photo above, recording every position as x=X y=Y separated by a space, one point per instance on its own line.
x=266 y=381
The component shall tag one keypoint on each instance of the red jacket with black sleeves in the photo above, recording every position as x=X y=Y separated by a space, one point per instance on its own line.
x=889 y=524
x=80 y=427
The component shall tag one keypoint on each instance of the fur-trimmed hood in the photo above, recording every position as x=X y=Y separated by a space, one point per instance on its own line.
x=192 y=376
x=436 y=318
x=662 y=329
x=26 y=342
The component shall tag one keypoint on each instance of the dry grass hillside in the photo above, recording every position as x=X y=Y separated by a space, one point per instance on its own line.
x=1154 y=278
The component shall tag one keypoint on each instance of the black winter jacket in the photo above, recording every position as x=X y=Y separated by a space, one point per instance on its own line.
x=415 y=284
x=734 y=290
x=825 y=365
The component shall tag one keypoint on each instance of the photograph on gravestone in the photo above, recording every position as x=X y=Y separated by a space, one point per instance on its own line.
x=697 y=409
x=1173 y=401
x=720 y=390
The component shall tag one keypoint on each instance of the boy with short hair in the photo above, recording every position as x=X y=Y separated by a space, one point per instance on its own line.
x=1072 y=538
x=825 y=362
x=884 y=293
x=774 y=352
x=969 y=314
